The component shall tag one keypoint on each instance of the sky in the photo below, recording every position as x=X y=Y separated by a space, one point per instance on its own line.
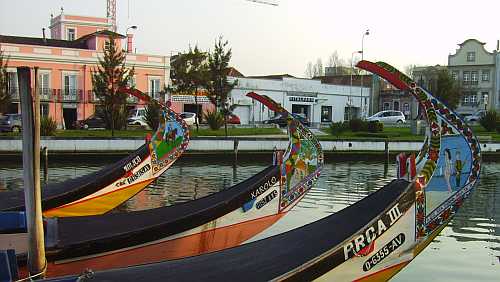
x=276 y=40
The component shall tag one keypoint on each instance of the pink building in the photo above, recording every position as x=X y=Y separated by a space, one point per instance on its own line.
x=66 y=62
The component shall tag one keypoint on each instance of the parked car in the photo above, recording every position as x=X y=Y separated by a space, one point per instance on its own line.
x=189 y=118
x=233 y=119
x=10 y=123
x=475 y=117
x=91 y=122
x=137 y=116
x=388 y=117
x=281 y=121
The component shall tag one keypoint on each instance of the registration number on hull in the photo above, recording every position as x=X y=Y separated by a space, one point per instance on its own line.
x=384 y=252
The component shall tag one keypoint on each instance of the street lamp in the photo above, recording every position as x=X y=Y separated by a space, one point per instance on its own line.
x=367 y=32
x=129 y=38
x=350 y=88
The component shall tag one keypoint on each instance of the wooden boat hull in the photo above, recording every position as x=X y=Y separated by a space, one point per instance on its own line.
x=371 y=240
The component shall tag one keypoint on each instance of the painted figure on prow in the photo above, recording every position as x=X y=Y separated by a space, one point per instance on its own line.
x=458 y=169
x=447 y=168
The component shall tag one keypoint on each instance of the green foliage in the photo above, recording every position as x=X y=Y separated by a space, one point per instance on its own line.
x=214 y=119
x=489 y=121
x=375 y=126
x=357 y=124
x=498 y=124
x=111 y=74
x=47 y=126
x=218 y=63
x=152 y=115
x=447 y=90
x=336 y=128
x=4 y=84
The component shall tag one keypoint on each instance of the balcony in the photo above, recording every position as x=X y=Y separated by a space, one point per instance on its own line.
x=68 y=96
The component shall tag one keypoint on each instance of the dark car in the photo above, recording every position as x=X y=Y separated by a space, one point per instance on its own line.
x=91 y=122
x=281 y=121
x=10 y=123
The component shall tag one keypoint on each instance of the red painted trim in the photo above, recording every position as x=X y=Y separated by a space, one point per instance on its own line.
x=392 y=77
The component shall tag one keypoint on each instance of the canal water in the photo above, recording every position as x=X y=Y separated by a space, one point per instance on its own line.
x=468 y=249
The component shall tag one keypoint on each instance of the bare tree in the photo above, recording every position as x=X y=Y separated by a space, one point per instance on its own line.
x=309 y=70
x=318 y=68
x=408 y=69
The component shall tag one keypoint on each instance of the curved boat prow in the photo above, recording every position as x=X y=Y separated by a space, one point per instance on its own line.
x=102 y=191
x=302 y=163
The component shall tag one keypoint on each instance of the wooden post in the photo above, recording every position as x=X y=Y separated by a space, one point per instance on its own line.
x=236 y=143
x=31 y=170
x=45 y=153
x=386 y=149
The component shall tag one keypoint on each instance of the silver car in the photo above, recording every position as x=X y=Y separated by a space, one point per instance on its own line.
x=10 y=123
x=388 y=117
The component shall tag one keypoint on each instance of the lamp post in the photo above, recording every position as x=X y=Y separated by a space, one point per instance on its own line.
x=367 y=32
x=350 y=88
x=129 y=38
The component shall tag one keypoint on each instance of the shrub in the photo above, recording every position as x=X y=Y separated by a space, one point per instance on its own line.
x=152 y=115
x=357 y=124
x=489 y=121
x=47 y=127
x=375 y=126
x=336 y=128
x=498 y=124
x=214 y=119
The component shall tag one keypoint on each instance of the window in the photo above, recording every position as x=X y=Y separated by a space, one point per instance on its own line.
x=154 y=87
x=466 y=99
x=473 y=99
x=471 y=56
x=71 y=34
x=484 y=98
x=466 y=77
x=44 y=110
x=473 y=77
x=387 y=106
x=12 y=85
x=70 y=84
x=326 y=113
x=485 y=75
x=396 y=105
x=406 y=107
x=44 y=83
x=454 y=75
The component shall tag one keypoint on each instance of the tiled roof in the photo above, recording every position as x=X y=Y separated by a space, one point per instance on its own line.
x=43 y=42
x=77 y=44
x=272 y=76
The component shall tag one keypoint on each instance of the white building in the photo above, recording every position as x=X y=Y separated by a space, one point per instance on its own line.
x=319 y=102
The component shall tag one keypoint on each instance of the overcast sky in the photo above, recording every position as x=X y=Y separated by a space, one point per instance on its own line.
x=275 y=40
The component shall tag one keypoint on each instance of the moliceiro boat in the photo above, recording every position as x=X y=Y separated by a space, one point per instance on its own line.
x=370 y=240
x=102 y=191
x=218 y=221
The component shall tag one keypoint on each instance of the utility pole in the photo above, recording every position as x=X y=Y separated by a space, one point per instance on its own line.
x=30 y=111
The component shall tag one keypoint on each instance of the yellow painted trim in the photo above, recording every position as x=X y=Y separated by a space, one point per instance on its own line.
x=386 y=274
x=98 y=205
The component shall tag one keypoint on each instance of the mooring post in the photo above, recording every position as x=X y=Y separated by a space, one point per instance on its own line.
x=236 y=143
x=45 y=154
x=31 y=170
x=386 y=149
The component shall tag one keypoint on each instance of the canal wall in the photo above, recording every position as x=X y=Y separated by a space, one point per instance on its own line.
x=208 y=144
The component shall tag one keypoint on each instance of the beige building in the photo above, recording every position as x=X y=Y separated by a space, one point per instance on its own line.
x=476 y=70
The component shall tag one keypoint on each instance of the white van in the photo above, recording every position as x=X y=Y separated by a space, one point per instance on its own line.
x=136 y=116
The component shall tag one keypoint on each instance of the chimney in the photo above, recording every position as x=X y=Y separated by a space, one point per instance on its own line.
x=129 y=43
x=43 y=32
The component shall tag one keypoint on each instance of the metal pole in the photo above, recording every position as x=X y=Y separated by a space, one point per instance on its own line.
x=367 y=32
x=31 y=170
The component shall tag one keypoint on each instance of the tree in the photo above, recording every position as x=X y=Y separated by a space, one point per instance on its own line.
x=218 y=86
x=190 y=73
x=4 y=84
x=338 y=64
x=309 y=70
x=318 y=68
x=447 y=89
x=111 y=74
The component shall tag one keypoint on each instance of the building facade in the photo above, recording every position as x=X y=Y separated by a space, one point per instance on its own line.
x=476 y=71
x=66 y=62
x=321 y=103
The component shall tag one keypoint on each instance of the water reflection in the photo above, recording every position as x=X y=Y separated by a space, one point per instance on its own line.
x=466 y=250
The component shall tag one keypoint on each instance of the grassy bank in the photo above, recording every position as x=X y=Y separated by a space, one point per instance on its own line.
x=401 y=134
x=142 y=133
